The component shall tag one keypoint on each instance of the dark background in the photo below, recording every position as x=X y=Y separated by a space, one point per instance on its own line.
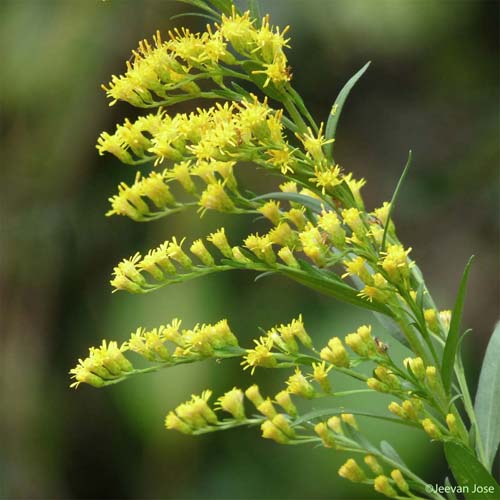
x=432 y=87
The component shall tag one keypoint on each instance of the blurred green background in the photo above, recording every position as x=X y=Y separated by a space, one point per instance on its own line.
x=432 y=87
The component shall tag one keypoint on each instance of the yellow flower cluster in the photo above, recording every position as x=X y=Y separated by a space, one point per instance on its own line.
x=195 y=416
x=284 y=338
x=130 y=199
x=224 y=132
x=263 y=45
x=333 y=428
x=107 y=362
x=168 y=69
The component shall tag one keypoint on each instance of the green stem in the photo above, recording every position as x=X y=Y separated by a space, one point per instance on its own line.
x=294 y=114
x=299 y=102
x=469 y=408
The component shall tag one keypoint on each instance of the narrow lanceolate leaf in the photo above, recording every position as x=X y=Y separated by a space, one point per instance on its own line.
x=452 y=341
x=315 y=205
x=487 y=405
x=394 y=197
x=331 y=124
x=329 y=284
x=391 y=453
x=475 y=481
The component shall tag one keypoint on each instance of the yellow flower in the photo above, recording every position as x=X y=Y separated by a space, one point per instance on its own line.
x=335 y=353
x=262 y=247
x=195 y=413
x=199 y=249
x=352 y=217
x=357 y=267
x=330 y=223
x=298 y=385
x=313 y=245
x=219 y=240
x=395 y=263
x=232 y=402
x=320 y=374
x=271 y=210
x=286 y=255
x=175 y=252
x=296 y=329
x=238 y=30
x=260 y=355
x=326 y=179
x=270 y=43
x=314 y=144
x=283 y=159
x=215 y=198
x=276 y=71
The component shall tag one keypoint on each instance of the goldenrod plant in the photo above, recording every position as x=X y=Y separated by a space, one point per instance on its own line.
x=320 y=234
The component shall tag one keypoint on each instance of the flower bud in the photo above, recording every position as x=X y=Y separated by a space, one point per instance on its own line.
x=396 y=410
x=172 y=421
x=352 y=471
x=285 y=401
x=416 y=366
x=219 y=240
x=298 y=384
x=352 y=217
x=198 y=248
x=253 y=394
x=349 y=419
x=270 y=431
x=334 y=423
x=321 y=429
x=377 y=385
x=451 y=422
x=374 y=465
x=271 y=210
x=267 y=409
x=232 y=402
x=398 y=478
x=286 y=255
x=381 y=485
x=431 y=320
x=430 y=428
x=335 y=353
x=281 y=422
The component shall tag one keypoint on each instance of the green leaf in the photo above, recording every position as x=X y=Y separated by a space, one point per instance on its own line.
x=487 y=405
x=330 y=284
x=315 y=205
x=254 y=8
x=449 y=493
x=470 y=474
x=394 y=197
x=194 y=14
x=331 y=125
x=452 y=341
x=224 y=6
x=391 y=453
x=328 y=412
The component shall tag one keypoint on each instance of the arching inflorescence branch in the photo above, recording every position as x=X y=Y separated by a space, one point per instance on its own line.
x=318 y=233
